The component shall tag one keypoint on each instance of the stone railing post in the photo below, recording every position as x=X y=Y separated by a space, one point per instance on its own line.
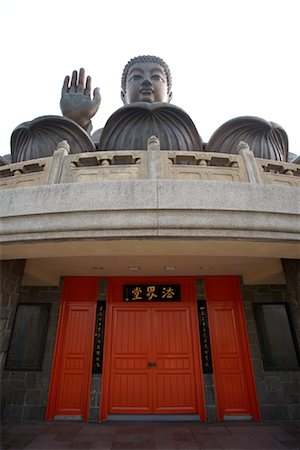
x=62 y=150
x=250 y=164
x=153 y=158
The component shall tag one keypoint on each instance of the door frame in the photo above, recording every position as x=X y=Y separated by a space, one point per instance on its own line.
x=114 y=297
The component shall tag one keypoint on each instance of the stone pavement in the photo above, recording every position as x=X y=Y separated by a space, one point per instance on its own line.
x=151 y=435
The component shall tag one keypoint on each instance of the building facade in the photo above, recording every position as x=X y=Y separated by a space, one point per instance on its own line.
x=150 y=283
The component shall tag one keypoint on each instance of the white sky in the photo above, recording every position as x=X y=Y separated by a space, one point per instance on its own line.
x=228 y=58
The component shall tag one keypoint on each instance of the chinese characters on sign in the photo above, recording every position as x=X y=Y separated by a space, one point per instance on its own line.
x=99 y=337
x=204 y=338
x=151 y=293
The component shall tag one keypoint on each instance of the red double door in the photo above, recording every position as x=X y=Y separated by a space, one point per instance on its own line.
x=152 y=354
x=152 y=361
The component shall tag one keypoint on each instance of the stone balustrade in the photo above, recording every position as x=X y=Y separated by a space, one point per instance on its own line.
x=64 y=167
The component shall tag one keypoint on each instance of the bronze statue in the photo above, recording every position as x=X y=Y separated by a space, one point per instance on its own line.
x=146 y=91
x=144 y=79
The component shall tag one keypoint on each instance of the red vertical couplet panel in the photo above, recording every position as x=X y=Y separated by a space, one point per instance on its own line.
x=72 y=366
x=232 y=365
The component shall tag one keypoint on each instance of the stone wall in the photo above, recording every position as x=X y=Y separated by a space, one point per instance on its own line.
x=10 y=279
x=278 y=391
x=94 y=413
x=25 y=393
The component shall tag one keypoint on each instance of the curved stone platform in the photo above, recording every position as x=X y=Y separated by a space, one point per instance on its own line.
x=230 y=213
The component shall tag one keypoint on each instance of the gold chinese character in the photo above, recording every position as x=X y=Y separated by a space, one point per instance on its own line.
x=151 y=292
x=168 y=292
x=136 y=293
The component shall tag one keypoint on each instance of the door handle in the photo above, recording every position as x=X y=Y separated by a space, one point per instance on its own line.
x=151 y=364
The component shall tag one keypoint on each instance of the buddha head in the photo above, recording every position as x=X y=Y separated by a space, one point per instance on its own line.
x=146 y=79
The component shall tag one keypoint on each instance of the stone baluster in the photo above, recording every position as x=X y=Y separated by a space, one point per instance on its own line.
x=62 y=150
x=250 y=164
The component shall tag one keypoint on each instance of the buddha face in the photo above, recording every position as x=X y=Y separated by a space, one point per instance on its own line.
x=146 y=82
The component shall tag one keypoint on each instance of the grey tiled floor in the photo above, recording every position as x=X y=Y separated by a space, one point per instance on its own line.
x=150 y=436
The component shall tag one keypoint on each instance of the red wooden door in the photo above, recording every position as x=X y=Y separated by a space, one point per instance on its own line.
x=233 y=372
x=71 y=373
x=172 y=349
x=130 y=383
x=73 y=381
x=152 y=362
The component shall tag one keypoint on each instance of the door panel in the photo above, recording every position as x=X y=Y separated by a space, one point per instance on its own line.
x=72 y=367
x=72 y=387
x=130 y=393
x=130 y=375
x=233 y=372
x=233 y=389
x=175 y=394
x=174 y=378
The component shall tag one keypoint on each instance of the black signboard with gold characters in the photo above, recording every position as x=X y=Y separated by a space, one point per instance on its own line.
x=151 y=293
x=99 y=337
x=204 y=338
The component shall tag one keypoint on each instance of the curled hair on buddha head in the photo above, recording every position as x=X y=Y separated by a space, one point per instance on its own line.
x=147 y=58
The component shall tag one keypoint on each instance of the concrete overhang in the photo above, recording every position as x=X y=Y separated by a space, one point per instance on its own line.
x=105 y=228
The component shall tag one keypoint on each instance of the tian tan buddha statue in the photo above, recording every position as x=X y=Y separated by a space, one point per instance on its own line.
x=146 y=91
